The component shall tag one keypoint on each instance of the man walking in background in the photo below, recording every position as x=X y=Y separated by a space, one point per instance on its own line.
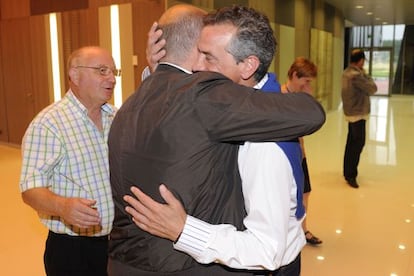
x=357 y=87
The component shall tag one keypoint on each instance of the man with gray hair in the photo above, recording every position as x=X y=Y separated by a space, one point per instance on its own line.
x=184 y=129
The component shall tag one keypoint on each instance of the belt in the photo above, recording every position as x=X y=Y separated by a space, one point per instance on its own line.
x=62 y=235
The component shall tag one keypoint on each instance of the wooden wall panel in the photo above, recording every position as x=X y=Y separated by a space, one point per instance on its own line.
x=79 y=28
x=4 y=136
x=24 y=82
x=102 y=3
x=38 y=7
x=14 y=8
x=267 y=7
x=144 y=13
x=17 y=77
x=285 y=12
x=303 y=11
x=321 y=54
x=39 y=62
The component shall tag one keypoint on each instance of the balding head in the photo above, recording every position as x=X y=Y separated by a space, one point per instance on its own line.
x=82 y=55
x=181 y=26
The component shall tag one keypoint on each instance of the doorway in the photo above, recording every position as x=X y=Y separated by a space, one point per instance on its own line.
x=379 y=66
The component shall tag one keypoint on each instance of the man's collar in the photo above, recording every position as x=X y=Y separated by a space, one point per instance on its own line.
x=176 y=66
x=262 y=82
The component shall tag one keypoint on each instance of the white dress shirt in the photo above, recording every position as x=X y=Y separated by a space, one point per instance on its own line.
x=274 y=236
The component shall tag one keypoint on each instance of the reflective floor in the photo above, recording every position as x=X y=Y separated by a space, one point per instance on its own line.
x=370 y=230
x=366 y=231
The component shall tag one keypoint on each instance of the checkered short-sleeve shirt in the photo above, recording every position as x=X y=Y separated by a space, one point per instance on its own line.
x=65 y=152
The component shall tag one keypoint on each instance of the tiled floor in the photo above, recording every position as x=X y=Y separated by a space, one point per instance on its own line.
x=22 y=236
x=367 y=231
x=370 y=230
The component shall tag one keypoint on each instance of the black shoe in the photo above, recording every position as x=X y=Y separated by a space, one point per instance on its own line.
x=352 y=182
x=311 y=239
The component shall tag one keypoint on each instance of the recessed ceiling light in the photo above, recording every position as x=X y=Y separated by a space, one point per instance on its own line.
x=401 y=246
x=320 y=258
x=377 y=18
x=338 y=231
x=359 y=7
x=408 y=220
x=369 y=13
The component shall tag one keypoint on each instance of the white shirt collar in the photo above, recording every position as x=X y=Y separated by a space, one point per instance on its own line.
x=262 y=82
x=176 y=66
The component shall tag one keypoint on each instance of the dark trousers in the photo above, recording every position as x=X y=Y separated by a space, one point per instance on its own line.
x=292 y=269
x=75 y=256
x=117 y=268
x=307 y=185
x=354 y=144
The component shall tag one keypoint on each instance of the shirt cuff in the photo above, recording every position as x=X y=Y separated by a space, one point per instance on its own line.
x=195 y=237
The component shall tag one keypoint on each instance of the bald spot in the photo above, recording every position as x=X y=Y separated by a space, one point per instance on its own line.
x=175 y=13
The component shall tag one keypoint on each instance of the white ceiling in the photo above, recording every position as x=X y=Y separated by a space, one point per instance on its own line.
x=389 y=11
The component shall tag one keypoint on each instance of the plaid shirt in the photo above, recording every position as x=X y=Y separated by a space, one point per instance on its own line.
x=65 y=152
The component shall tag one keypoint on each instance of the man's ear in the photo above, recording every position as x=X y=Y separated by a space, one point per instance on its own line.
x=74 y=75
x=294 y=75
x=250 y=65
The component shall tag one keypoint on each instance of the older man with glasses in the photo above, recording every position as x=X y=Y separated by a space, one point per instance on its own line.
x=65 y=170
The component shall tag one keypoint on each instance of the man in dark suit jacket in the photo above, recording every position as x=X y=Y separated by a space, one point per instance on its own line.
x=184 y=129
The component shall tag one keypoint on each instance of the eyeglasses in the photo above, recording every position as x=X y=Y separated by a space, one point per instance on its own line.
x=103 y=70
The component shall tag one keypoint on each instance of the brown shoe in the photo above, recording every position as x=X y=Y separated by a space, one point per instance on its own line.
x=311 y=239
x=352 y=182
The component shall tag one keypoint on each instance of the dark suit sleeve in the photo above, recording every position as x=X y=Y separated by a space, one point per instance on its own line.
x=230 y=112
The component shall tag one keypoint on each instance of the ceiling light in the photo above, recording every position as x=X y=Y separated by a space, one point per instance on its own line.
x=359 y=7
x=369 y=13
